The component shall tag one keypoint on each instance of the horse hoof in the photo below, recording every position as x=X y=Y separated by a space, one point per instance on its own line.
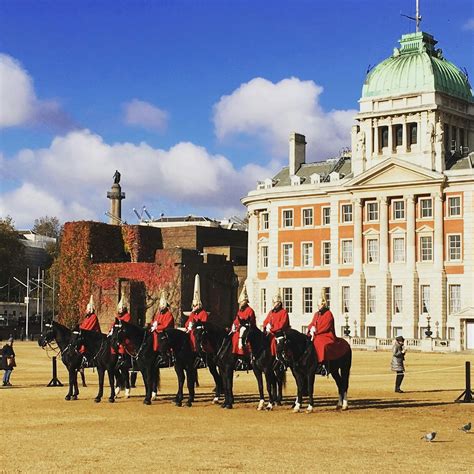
x=296 y=408
x=229 y=407
x=269 y=407
x=127 y=393
x=345 y=407
x=279 y=403
x=111 y=400
x=67 y=397
x=153 y=396
x=117 y=390
x=179 y=404
x=97 y=400
x=215 y=400
x=146 y=402
x=74 y=397
x=309 y=409
x=261 y=403
x=189 y=403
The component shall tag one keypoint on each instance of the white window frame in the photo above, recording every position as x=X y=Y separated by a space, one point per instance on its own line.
x=371 y=299
x=307 y=300
x=264 y=256
x=425 y=299
x=348 y=258
x=420 y=247
x=310 y=255
x=450 y=248
x=451 y=333
x=303 y=217
x=376 y=240
x=397 y=331
x=287 y=298
x=395 y=210
x=323 y=216
x=346 y=299
x=421 y=209
x=394 y=259
x=450 y=207
x=283 y=218
x=372 y=211
x=325 y=244
x=454 y=304
x=397 y=299
x=368 y=331
x=265 y=221
x=263 y=300
x=345 y=215
x=290 y=255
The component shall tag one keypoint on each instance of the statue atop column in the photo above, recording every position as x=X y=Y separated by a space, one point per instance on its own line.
x=117 y=177
x=116 y=196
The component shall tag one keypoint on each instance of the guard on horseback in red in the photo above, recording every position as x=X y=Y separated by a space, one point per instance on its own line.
x=244 y=313
x=122 y=315
x=162 y=320
x=197 y=314
x=323 y=335
x=89 y=323
x=276 y=320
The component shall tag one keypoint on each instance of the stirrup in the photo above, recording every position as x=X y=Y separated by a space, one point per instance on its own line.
x=84 y=362
x=321 y=370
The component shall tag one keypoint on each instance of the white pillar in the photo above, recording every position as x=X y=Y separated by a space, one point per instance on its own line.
x=404 y=136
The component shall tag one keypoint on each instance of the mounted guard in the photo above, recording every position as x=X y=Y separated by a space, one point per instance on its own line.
x=89 y=323
x=276 y=320
x=197 y=313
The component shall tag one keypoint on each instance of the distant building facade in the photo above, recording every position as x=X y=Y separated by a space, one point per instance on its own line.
x=387 y=228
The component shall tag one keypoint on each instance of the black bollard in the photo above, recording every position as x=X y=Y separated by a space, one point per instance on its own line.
x=55 y=381
x=467 y=394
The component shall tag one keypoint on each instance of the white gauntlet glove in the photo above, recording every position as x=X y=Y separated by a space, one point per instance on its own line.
x=190 y=326
x=312 y=331
x=153 y=326
x=268 y=327
x=234 y=328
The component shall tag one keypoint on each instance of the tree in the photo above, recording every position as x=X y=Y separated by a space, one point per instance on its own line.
x=48 y=226
x=12 y=252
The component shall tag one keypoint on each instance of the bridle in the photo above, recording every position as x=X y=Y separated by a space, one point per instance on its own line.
x=121 y=331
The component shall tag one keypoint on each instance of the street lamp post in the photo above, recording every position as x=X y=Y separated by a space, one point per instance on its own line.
x=428 y=331
x=347 y=329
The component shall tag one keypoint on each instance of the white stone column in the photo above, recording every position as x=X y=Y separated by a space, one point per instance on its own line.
x=404 y=136
x=376 y=138
x=390 y=137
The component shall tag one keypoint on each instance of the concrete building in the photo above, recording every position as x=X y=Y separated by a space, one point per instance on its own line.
x=386 y=228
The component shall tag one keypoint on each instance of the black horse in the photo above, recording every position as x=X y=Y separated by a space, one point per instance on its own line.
x=297 y=351
x=71 y=357
x=143 y=354
x=101 y=356
x=263 y=362
x=177 y=342
x=209 y=339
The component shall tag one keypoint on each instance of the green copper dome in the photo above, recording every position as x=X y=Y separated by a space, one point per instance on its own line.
x=416 y=67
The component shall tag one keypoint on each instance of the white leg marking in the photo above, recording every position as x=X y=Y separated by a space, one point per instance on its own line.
x=269 y=407
x=260 y=405
x=297 y=407
x=117 y=391
x=215 y=400
x=127 y=393
x=309 y=409
x=345 y=405
x=153 y=396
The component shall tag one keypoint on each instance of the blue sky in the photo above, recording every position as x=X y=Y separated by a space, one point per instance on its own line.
x=192 y=100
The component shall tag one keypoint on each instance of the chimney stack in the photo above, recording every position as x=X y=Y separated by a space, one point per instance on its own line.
x=297 y=152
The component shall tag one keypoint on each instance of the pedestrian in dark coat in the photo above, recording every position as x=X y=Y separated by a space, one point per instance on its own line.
x=8 y=361
x=398 y=364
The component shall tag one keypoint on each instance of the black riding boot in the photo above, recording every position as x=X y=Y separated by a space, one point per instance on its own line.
x=398 y=382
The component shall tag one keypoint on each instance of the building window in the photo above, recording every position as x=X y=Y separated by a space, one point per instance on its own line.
x=454 y=298
x=426 y=208
x=346 y=251
x=426 y=247
x=264 y=256
x=397 y=299
x=307 y=217
x=288 y=299
x=307 y=300
x=346 y=296
x=327 y=294
x=372 y=211
x=263 y=300
x=326 y=215
x=264 y=222
x=451 y=334
x=454 y=248
x=307 y=251
x=371 y=299
x=287 y=255
x=383 y=137
x=398 y=249
x=425 y=298
x=372 y=250
x=347 y=213
x=397 y=331
x=371 y=331
x=326 y=253
x=413 y=133
x=398 y=210
x=288 y=218
x=454 y=206
x=398 y=135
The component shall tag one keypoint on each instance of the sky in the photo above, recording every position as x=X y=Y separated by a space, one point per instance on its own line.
x=192 y=101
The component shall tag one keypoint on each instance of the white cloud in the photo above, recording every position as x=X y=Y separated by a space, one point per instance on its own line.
x=271 y=111
x=19 y=104
x=70 y=178
x=469 y=25
x=143 y=114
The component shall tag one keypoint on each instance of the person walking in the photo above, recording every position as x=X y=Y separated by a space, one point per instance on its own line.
x=398 y=365
x=8 y=361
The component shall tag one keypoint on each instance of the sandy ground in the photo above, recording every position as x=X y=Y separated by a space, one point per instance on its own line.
x=380 y=432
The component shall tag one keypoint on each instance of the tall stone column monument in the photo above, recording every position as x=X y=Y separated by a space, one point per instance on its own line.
x=115 y=195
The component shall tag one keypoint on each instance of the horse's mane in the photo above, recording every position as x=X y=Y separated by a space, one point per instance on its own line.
x=214 y=329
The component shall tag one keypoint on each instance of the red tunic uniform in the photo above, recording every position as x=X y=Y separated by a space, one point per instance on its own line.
x=163 y=320
x=199 y=315
x=328 y=346
x=278 y=320
x=245 y=314
x=90 y=323
x=127 y=319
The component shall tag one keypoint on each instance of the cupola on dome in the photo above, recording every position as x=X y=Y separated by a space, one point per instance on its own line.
x=416 y=67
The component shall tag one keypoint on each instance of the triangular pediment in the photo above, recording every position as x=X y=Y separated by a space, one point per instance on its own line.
x=371 y=231
x=398 y=230
x=425 y=228
x=395 y=172
x=467 y=312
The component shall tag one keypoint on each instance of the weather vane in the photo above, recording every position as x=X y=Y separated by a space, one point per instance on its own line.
x=417 y=17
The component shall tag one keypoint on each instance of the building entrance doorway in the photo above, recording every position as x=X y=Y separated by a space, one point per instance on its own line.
x=470 y=335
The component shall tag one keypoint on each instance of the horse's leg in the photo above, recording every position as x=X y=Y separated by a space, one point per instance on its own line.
x=270 y=389
x=100 y=373
x=71 y=383
x=83 y=378
x=300 y=384
x=111 y=372
x=259 y=376
x=180 y=374
x=191 y=376
x=217 y=381
x=310 y=381
x=147 y=376
x=126 y=377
